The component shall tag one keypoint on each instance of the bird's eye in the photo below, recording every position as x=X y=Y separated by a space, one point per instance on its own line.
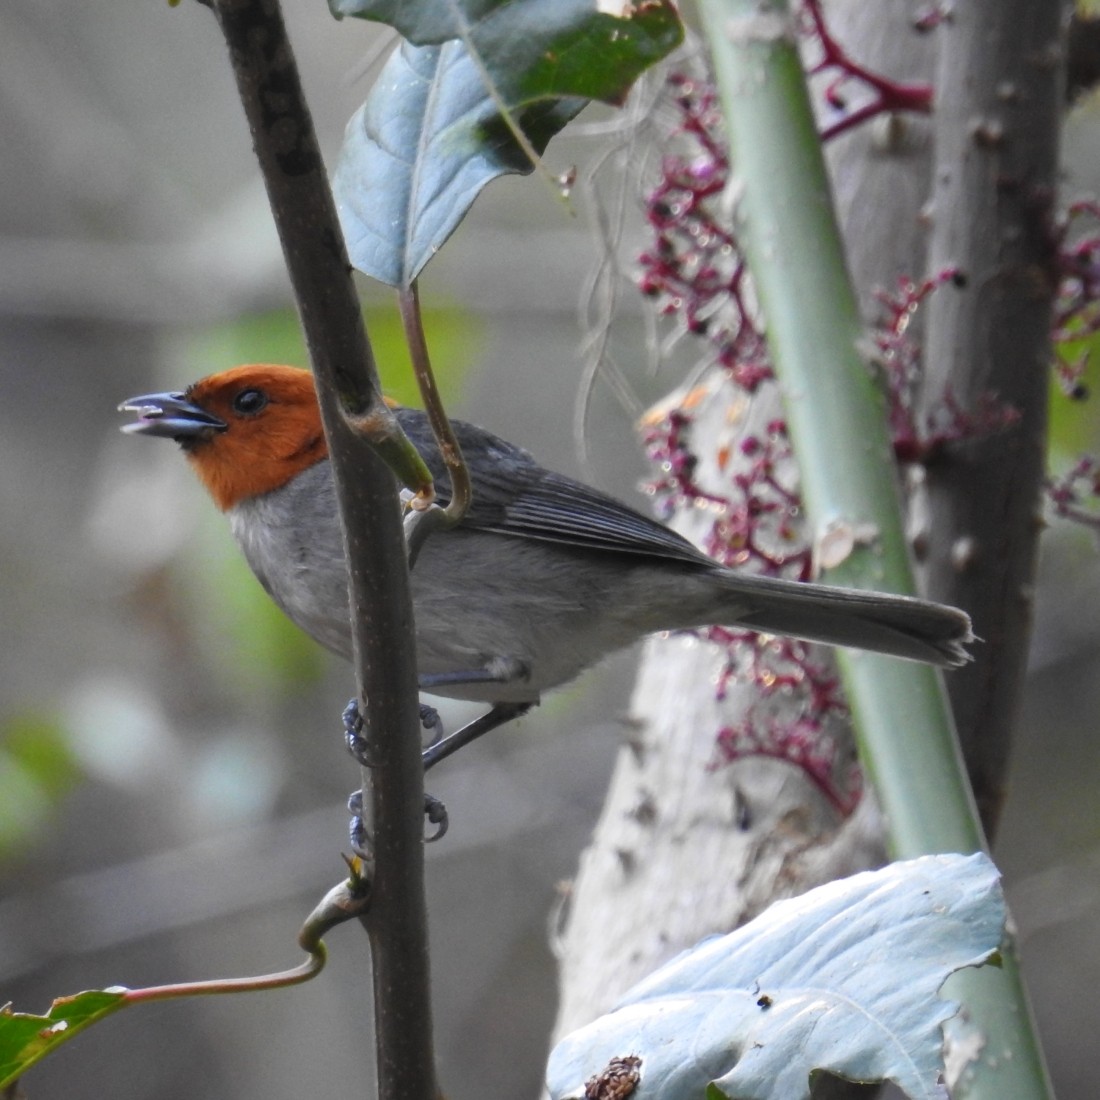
x=249 y=402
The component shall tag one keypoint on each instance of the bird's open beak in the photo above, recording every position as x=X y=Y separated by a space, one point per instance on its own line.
x=170 y=415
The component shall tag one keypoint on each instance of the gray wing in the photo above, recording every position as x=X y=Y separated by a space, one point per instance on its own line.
x=514 y=495
x=558 y=509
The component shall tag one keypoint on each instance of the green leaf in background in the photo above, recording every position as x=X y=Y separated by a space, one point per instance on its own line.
x=430 y=135
x=1074 y=425
x=26 y=1039
x=37 y=767
x=41 y=746
x=843 y=979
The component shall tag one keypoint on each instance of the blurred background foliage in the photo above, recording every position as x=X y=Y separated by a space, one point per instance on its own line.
x=37 y=770
x=1073 y=423
x=172 y=774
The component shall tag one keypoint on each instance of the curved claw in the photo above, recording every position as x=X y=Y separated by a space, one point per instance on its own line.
x=430 y=720
x=353 y=733
x=357 y=827
x=353 y=729
x=436 y=813
x=357 y=834
x=360 y=837
x=352 y=719
x=434 y=810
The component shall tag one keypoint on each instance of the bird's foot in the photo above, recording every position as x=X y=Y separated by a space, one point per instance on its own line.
x=357 y=827
x=436 y=813
x=353 y=733
x=357 y=743
x=432 y=723
x=434 y=810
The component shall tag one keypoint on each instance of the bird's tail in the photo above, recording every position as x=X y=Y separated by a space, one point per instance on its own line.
x=901 y=626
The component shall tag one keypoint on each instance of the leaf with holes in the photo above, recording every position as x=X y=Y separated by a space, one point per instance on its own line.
x=26 y=1039
x=432 y=134
x=842 y=979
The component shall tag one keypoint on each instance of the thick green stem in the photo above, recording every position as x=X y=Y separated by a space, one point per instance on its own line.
x=781 y=205
x=780 y=202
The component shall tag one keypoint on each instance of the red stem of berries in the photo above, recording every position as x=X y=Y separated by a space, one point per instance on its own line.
x=846 y=78
x=1077 y=307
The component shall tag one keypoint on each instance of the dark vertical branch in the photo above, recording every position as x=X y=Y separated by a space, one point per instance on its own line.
x=1082 y=55
x=999 y=98
x=347 y=383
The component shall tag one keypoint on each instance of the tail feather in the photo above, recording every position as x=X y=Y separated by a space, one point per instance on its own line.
x=901 y=626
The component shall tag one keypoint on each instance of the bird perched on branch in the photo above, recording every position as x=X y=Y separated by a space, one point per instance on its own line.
x=542 y=578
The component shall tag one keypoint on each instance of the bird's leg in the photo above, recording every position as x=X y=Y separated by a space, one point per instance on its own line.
x=440 y=749
x=499 y=670
x=490 y=720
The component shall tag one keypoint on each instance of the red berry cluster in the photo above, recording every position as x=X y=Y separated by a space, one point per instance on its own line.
x=694 y=268
x=803 y=740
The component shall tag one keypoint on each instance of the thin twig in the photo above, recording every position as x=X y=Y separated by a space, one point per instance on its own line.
x=461 y=491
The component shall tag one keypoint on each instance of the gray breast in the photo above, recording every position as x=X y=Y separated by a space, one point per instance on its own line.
x=291 y=540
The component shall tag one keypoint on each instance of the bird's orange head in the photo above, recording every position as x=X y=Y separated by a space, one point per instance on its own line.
x=246 y=431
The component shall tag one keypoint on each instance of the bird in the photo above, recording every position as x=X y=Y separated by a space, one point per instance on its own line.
x=542 y=578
